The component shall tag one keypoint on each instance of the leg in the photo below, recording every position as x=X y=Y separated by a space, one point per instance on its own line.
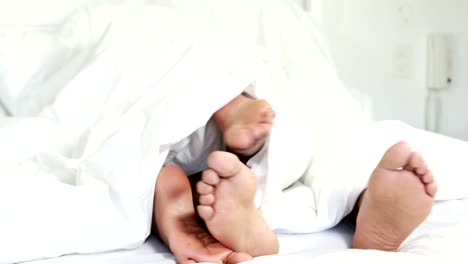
x=177 y=226
x=227 y=191
x=398 y=199
x=245 y=122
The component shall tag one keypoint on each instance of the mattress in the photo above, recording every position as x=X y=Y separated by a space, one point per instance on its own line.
x=440 y=236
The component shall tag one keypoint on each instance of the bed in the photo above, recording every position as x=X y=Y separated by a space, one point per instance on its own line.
x=443 y=233
x=75 y=97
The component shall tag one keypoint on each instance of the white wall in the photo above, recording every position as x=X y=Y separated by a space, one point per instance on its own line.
x=365 y=37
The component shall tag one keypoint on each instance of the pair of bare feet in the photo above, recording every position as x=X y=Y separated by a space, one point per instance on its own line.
x=399 y=197
x=236 y=231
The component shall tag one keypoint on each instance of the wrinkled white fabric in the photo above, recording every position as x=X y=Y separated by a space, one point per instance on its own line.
x=80 y=175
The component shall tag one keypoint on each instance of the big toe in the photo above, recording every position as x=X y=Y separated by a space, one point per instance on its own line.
x=396 y=157
x=224 y=163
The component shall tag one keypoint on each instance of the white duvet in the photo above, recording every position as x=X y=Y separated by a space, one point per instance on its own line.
x=78 y=175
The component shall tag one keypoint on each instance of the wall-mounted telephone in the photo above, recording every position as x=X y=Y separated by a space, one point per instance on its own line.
x=438 y=68
x=438 y=78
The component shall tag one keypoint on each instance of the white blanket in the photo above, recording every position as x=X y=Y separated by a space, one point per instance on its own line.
x=81 y=175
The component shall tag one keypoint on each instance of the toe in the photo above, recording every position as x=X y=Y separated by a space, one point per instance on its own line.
x=224 y=163
x=263 y=106
x=396 y=157
x=422 y=170
x=431 y=189
x=205 y=212
x=203 y=188
x=210 y=177
x=261 y=130
x=427 y=178
x=268 y=116
x=416 y=164
x=206 y=199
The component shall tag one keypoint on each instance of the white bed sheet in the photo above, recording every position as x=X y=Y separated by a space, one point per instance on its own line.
x=153 y=251
x=437 y=238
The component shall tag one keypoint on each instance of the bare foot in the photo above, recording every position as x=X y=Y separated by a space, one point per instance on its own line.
x=245 y=122
x=177 y=226
x=398 y=199
x=227 y=191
